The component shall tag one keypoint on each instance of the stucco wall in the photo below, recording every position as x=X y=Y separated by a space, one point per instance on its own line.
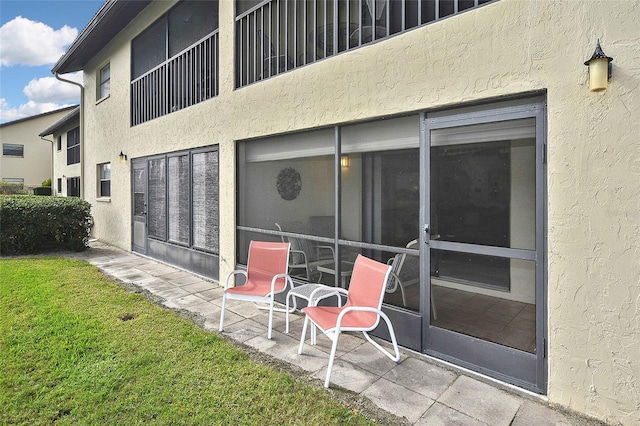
x=505 y=48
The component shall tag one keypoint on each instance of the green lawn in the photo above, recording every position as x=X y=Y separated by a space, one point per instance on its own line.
x=76 y=348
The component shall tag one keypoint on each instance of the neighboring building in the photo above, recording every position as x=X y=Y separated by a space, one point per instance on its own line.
x=66 y=154
x=26 y=157
x=466 y=125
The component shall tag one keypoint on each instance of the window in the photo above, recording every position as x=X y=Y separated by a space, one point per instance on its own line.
x=157 y=196
x=73 y=187
x=59 y=140
x=183 y=196
x=104 y=86
x=15 y=181
x=73 y=146
x=290 y=180
x=175 y=61
x=12 y=150
x=59 y=188
x=104 y=172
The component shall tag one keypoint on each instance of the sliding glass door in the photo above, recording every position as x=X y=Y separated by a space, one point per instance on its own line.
x=483 y=233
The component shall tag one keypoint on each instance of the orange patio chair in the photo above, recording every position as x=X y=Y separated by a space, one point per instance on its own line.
x=361 y=312
x=266 y=276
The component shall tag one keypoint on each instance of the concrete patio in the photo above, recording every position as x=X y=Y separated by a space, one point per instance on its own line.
x=419 y=390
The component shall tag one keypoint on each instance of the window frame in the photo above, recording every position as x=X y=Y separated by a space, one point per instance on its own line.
x=73 y=186
x=104 y=84
x=73 y=151
x=102 y=180
x=7 y=147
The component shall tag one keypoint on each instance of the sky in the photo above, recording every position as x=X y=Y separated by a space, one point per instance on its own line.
x=34 y=34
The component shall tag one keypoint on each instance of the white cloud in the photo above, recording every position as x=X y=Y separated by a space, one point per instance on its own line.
x=26 y=110
x=26 y=42
x=50 y=89
x=44 y=94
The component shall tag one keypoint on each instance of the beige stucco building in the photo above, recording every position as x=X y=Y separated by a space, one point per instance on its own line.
x=472 y=131
x=26 y=157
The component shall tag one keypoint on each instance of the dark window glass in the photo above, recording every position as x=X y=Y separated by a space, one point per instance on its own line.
x=59 y=191
x=59 y=142
x=157 y=212
x=139 y=187
x=105 y=179
x=189 y=22
x=179 y=199
x=149 y=49
x=73 y=146
x=73 y=187
x=12 y=150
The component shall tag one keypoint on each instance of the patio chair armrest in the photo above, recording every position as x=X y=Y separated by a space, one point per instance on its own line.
x=330 y=248
x=299 y=264
x=230 y=274
x=356 y=309
x=277 y=277
x=396 y=280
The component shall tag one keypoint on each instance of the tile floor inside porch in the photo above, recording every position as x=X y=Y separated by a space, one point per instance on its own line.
x=418 y=390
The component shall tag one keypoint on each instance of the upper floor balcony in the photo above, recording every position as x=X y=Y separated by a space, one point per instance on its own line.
x=175 y=61
x=276 y=36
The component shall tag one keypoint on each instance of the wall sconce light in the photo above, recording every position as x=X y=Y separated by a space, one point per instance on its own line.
x=123 y=157
x=599 y=69
x=344 y=161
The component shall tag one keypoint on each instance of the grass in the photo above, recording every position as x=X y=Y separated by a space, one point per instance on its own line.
x=76 y=348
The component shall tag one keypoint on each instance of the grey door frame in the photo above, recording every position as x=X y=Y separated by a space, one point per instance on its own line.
x=511 y=365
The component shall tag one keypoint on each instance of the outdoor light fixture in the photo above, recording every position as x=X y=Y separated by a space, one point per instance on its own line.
x=344 y=161
x=599 y=69
x=123 y=157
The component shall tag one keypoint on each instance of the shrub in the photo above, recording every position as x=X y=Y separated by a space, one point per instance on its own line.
x=31 y=223
x=46 y=182
x=42 y=190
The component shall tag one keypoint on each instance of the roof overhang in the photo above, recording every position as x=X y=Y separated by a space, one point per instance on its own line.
x=113 y=17
x=73 y=116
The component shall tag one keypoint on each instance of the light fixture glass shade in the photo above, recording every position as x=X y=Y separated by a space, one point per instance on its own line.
x=598 y=74
x=123 y=157
x=344 y=161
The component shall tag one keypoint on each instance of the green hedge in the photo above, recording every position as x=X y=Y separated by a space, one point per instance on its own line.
x=31 y=224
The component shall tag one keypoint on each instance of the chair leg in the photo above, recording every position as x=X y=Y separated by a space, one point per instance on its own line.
x=286 y=315
x=396 y=355
x=334 y=347
x=304 y=334
x=224 y=302
x=270 y=318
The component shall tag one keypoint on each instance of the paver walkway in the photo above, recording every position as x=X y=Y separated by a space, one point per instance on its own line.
x=417 y=389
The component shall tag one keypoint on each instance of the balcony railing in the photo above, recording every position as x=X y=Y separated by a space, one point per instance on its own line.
x=276 y=36
x=186 y=79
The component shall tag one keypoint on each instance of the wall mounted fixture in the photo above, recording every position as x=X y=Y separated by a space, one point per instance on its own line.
x=123 y=157
x=599 y=69
x=344 y=161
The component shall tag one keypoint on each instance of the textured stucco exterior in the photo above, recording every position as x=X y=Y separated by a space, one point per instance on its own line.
x=503 y=49
x=36 y=164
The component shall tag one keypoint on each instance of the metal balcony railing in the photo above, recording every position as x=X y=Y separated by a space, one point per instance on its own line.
x=186 y=79
x=276 y=36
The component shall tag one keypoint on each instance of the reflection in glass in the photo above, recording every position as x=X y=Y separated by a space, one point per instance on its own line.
x=482 y=192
